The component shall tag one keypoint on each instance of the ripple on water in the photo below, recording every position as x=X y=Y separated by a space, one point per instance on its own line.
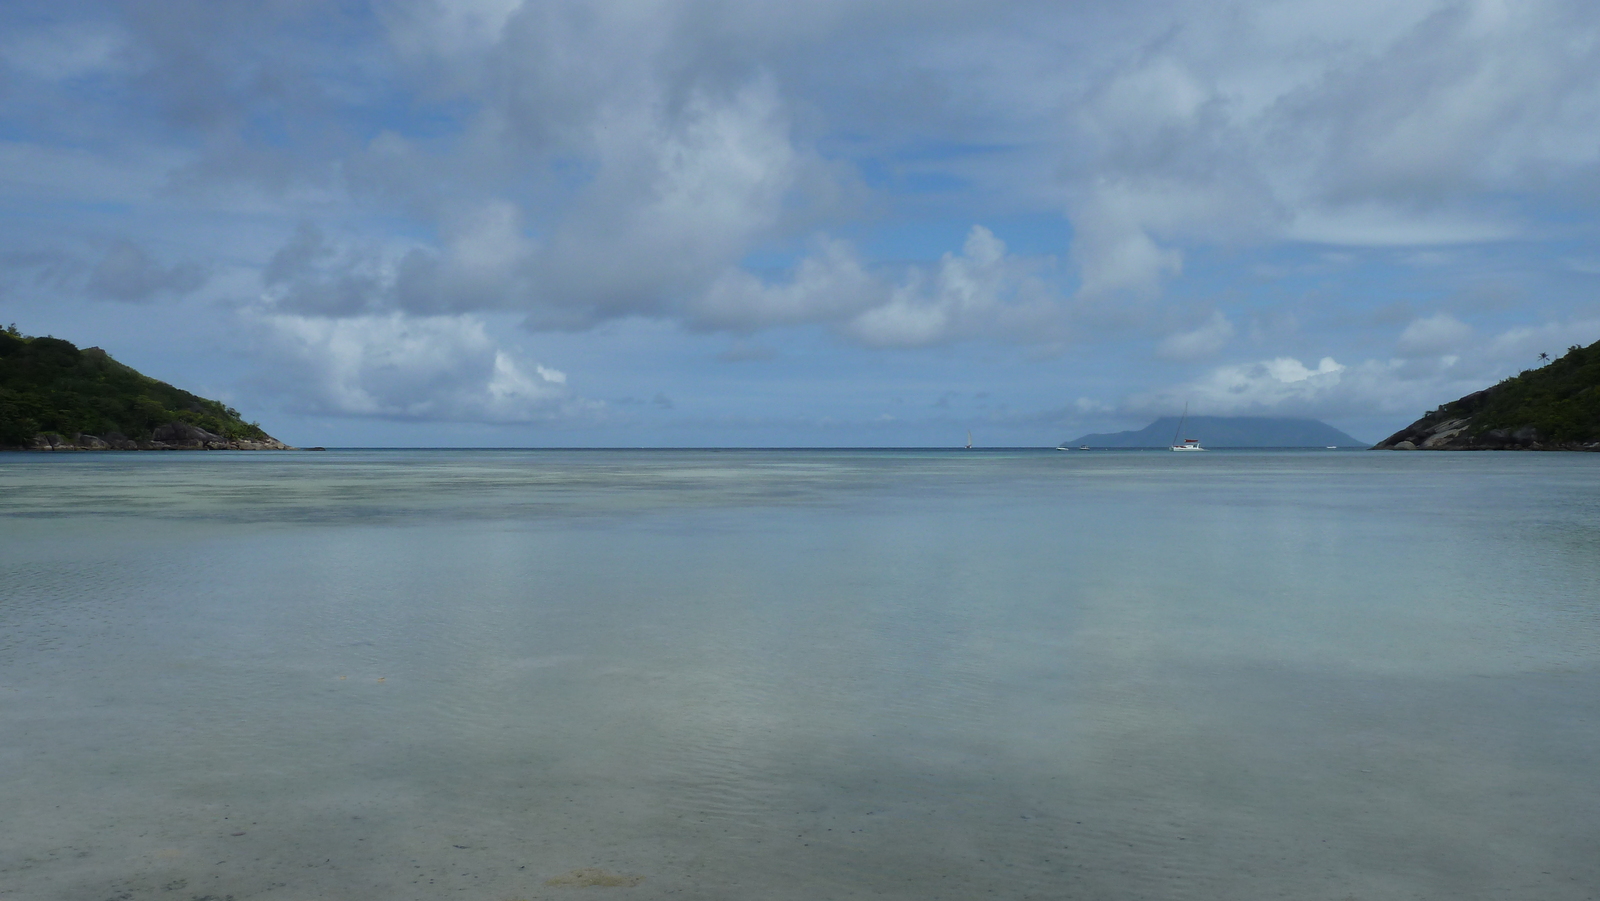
x=801 y=676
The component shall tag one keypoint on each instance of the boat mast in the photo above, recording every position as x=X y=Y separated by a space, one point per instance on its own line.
x=1181 y=419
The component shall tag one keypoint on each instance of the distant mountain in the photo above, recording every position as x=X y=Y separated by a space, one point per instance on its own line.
x=54 y=396
x=1553 y=408
x=1228 y=431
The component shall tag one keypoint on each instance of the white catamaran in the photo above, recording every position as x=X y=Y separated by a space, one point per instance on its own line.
x=1187 y=444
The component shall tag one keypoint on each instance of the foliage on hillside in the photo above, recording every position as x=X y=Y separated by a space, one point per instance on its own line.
x=49 y=385
x=1561 y=400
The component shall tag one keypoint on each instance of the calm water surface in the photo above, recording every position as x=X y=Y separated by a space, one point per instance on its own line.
x=800 y=675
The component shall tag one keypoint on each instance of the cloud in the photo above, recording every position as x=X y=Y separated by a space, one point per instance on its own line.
x=1199 y=343
x=1356 y=124
x=127 y=273
x=1286 y=386
x=124 y=272
x=1266 y=385
x=53 y=268
x=395 y=169
x=62 y=51
x=1438 y=334
x=312 y=275
x=583 y=164
x=483 y=264
x=669 y=194
x=745 y=352
x=829 y=284
x=981 y=292
x=1520 y=347
x=1380 y=224
x=1114 y=249
x=1442 y=359
x=678 y=196
x=401 y=367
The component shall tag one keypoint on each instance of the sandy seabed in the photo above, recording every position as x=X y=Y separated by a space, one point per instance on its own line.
x=400 y=675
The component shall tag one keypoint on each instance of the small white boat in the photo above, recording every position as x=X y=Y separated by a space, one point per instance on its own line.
x=969 y=441
x=1187 y=444
x=1083 y=447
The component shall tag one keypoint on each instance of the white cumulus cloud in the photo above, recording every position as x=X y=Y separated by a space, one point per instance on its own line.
x=983 y=291
x=1368 y=124
x=1288 y=386
x=1433 y=335
x=404 y=367
x=1266 y=385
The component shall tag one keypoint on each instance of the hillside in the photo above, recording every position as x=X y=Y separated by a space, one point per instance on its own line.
x=1227 y=431
x=1553 y=408
x=54 y=396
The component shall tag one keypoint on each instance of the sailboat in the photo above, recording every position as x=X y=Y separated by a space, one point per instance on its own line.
x=969 y=441
x=1187 y=444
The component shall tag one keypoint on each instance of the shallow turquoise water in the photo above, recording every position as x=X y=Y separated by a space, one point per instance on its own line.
x=800 y=675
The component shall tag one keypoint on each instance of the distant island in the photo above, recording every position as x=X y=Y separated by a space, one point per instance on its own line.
x=1227 y=431
x=54 y=396
x=1553 y=408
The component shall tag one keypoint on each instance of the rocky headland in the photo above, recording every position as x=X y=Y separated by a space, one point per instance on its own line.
x=1556 y=407
x=55 y=397
x=168 y=436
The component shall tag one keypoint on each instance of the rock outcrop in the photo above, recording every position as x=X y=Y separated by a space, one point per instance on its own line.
x=55 y=397
x=1456 y=434
x=1553 y=408
x=171 y=436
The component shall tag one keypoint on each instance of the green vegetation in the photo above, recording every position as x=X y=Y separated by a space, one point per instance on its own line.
x=1561 y=400
x=48 y=385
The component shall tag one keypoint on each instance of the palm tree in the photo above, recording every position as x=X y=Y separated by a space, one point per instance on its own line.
x=1543 y=357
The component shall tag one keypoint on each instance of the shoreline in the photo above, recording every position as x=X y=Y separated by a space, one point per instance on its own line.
x=173 y=436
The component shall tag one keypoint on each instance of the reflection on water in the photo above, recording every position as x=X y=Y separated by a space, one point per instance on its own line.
x=799 y=675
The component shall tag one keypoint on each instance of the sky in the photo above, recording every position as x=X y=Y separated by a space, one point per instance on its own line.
x=827 y=223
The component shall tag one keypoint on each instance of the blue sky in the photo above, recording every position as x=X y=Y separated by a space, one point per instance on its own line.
x=418 y=222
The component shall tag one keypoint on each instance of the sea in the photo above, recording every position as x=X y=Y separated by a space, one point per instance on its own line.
x=507 y=675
